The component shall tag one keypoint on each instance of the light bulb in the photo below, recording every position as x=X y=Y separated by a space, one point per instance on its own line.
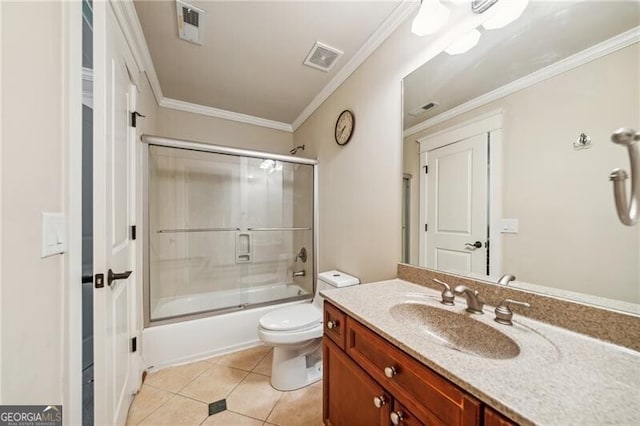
x=430 y=18
x=503 y=13
x=464 y=43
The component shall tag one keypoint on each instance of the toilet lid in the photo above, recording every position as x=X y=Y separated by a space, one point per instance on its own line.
x=291 y=318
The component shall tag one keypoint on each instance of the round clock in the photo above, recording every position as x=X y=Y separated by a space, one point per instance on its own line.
x=344 y=127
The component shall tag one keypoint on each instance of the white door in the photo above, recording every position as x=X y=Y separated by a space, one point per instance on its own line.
x=114 y=320
x=456 y=206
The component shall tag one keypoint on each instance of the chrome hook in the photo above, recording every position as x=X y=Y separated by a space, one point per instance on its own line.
x=628 y=211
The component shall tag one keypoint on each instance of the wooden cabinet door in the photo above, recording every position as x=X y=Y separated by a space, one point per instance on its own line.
x=400 y=415
x=349 y=393
x=493 y=418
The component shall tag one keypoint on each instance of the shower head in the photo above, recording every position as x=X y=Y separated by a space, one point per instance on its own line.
x=294 y=150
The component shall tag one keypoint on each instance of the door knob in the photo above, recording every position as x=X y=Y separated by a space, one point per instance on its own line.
x=112 y=276
x=477 y=244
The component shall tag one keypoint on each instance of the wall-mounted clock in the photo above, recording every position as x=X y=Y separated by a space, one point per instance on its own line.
x=345 y=125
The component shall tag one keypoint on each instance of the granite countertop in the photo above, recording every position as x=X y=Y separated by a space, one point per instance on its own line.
x=559 y=377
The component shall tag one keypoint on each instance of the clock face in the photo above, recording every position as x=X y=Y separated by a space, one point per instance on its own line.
x=344 y=127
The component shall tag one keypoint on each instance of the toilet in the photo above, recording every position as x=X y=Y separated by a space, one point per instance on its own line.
x=295 y=332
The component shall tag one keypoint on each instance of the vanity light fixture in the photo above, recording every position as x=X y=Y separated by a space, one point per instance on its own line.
x=504 y=12
x=464 y=43
x=431 y=16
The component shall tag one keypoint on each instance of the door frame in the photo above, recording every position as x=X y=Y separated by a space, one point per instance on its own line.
x=72 y=259
x=491 y=123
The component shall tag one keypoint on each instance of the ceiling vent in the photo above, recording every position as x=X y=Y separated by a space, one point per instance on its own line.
x=424 y=108
x=190 y=22
x=322 y=57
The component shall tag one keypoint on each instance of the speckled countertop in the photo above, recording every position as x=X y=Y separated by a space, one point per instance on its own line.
x=558 y=377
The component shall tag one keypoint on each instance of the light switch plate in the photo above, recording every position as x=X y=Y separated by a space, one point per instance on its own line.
x=54 y=234
x=509 y=226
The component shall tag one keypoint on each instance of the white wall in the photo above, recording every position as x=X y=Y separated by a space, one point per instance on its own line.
x=32 y=181
x=360 y=183
x=196 y=127
x=570 y=236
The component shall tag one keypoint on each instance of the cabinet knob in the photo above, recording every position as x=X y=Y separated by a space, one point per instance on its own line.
x=397 y=417
x=379 y=401
x=390 y=372
x=331 y=324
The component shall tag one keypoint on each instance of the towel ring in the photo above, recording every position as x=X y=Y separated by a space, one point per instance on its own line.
x=628 y=211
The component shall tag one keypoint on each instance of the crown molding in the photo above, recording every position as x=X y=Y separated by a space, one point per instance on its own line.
x=128 y=19
x=224 y=114
x=400 y=13
x=590 y=54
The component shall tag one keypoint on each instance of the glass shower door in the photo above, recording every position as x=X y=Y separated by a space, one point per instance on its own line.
x=195 y=216
x=226 y=232
x=280 y=221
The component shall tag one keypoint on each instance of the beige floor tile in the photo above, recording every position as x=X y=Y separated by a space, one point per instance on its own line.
x=254 y=397
x=264 y=366
x=228 y=418
x=246 y=359
x=299 y=407
x=178 y=411
x=173 y=379
x=146 y=402
x=214 y=384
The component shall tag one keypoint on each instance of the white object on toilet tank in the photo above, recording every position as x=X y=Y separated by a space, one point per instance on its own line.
x=338 y=279
x=330 y=280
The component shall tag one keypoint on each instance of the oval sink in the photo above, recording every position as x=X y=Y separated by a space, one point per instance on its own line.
x=456 y=330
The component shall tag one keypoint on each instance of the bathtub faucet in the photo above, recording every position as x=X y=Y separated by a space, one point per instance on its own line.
x=299 y=274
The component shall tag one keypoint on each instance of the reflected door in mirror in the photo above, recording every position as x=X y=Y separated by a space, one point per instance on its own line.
x=456 y=206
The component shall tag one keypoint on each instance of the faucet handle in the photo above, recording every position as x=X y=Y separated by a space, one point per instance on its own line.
x=504 y=313
x=447 y=296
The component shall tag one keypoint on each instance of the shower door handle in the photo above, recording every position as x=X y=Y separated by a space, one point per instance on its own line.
x=112 y=276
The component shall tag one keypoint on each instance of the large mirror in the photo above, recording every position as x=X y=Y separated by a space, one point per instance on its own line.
x=507 y=154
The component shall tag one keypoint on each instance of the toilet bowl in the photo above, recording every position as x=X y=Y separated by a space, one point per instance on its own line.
x=295 y=333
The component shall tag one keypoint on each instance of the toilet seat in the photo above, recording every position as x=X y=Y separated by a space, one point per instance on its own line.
x=292 y=318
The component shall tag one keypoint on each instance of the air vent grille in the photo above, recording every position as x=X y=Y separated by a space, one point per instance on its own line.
x=190 y=22
x=322 y=57
x=423 y=109
x=190 y=16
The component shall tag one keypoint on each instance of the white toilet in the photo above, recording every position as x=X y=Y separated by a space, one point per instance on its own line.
x=295 y=333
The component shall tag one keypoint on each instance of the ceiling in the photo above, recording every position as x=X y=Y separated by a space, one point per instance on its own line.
x=251 y=61
x=546 y=33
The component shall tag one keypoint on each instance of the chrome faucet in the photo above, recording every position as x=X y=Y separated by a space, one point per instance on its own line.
x=504 y=313
x=299 y=274
x=506 y=279
x=447 y=296
x=474 y=304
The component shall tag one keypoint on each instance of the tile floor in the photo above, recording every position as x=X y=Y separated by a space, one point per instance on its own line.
x=180 y=395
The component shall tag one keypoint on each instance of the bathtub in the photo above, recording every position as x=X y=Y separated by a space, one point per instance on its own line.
x=201 y=338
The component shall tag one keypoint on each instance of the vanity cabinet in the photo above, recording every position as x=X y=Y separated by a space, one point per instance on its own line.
x=493 y=418
x=368 y=381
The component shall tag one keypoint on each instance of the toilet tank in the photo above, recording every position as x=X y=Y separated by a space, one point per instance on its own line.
x=332 y=279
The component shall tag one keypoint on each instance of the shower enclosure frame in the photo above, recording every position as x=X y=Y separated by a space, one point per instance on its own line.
x=151 y=140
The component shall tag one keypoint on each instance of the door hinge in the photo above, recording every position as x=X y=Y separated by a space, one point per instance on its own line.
x=426 y=169
x=134 y=344
x=134 y=116
x=133 y=232
x=99 y=281
x=425 y=227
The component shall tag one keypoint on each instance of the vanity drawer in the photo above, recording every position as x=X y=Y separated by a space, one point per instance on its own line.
x=334 y=324
x=416 y=386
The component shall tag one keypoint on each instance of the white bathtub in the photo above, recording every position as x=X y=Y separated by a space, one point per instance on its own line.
x=168 y=307
x=191 y=340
